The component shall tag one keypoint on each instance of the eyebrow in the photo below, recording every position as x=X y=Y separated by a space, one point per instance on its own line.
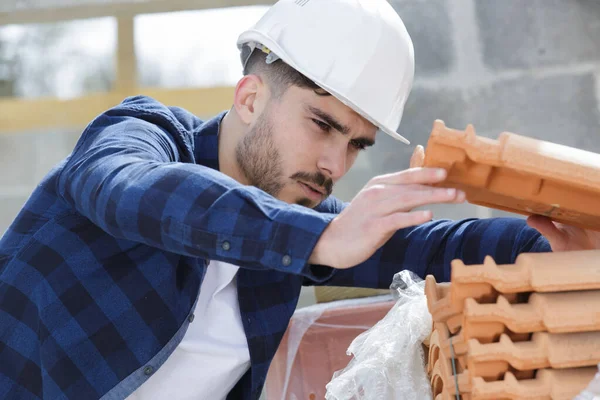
x=335 y=124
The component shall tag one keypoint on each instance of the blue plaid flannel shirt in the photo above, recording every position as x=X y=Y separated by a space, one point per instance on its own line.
x=101 y=269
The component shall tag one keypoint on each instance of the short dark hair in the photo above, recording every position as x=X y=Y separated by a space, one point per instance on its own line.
x=279 y=75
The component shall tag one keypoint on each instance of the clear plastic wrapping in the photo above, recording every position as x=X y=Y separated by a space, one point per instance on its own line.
x=592 y=391
x=315 y=344
x=388 y=359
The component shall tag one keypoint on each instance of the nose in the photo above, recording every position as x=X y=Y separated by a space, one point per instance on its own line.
x=332 y=162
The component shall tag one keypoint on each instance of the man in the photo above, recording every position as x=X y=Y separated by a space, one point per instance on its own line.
x=165 y=256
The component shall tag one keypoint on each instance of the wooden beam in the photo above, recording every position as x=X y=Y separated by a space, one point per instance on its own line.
x=20 y=115
x=126 y=77
x=33 y=14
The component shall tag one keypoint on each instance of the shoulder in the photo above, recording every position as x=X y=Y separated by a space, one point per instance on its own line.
x=146 y=114
x=145 y=107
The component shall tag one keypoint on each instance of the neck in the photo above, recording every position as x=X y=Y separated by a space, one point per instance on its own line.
x=230 y=133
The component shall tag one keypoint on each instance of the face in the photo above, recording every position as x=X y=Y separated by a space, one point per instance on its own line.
x=301 y=144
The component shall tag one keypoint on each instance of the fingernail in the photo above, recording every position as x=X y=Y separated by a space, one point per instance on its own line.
x=440 y=173
x=451 y=192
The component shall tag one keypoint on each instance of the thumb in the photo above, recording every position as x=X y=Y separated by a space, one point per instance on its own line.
x=549 y=230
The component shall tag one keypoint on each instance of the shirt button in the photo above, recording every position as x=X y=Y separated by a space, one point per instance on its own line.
x=148 y=370
x=287 y=260
x=226 y=246
x=191 y=318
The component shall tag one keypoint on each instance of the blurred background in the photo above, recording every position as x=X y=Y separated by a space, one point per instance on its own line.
x=530 y=67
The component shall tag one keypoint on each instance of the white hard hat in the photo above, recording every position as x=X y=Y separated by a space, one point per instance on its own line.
x=357 y=50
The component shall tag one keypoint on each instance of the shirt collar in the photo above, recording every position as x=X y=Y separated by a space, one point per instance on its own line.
x=206 y=142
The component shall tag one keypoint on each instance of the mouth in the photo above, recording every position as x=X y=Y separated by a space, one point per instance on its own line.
x=312 y=191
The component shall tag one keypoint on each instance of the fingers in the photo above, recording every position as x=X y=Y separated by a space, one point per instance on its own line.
x=386 y=199
x=401 y=220
x=411 y=176
x=414 y=199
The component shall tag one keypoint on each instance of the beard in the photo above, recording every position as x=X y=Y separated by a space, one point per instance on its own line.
x=260 y=161
x=258 y=157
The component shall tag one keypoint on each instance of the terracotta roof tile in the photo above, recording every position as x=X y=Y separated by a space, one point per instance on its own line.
x=555 y=384
x=517 y=173
x=553 y=312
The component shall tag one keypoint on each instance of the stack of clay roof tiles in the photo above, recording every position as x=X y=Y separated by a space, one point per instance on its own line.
x=529 y=330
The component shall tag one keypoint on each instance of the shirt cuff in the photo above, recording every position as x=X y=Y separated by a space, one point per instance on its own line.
x=295 y=236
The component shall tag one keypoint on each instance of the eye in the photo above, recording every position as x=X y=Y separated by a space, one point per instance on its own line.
x=358 y=145
x=322 y=125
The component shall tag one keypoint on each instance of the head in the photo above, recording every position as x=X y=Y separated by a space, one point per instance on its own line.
x=298 y=140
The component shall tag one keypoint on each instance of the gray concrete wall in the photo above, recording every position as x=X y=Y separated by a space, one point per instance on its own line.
x=527 y=66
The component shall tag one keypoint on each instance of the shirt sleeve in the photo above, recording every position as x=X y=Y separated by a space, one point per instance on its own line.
x=128 y=179
x=428 y=249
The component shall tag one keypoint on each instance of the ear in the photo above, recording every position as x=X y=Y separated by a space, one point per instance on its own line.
x=249 y=98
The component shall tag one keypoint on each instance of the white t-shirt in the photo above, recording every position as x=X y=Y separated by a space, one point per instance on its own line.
x=213 y=354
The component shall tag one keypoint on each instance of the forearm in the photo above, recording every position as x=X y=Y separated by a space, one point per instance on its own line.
x=472 y=240
x=128 y=182
x=429 y=249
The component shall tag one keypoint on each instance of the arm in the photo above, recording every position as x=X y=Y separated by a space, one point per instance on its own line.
x=429 y=248
x=127 y=178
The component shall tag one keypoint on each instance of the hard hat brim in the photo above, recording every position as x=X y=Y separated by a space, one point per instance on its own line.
x=252 y=35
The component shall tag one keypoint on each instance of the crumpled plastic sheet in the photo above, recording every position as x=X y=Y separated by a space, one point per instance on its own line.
x=388 y=359
x=592 y=391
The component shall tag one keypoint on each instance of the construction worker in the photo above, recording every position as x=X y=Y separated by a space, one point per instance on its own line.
x=164 y=257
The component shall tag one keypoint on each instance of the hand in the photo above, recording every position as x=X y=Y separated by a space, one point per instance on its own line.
x=564 y=237
x=382 y=207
